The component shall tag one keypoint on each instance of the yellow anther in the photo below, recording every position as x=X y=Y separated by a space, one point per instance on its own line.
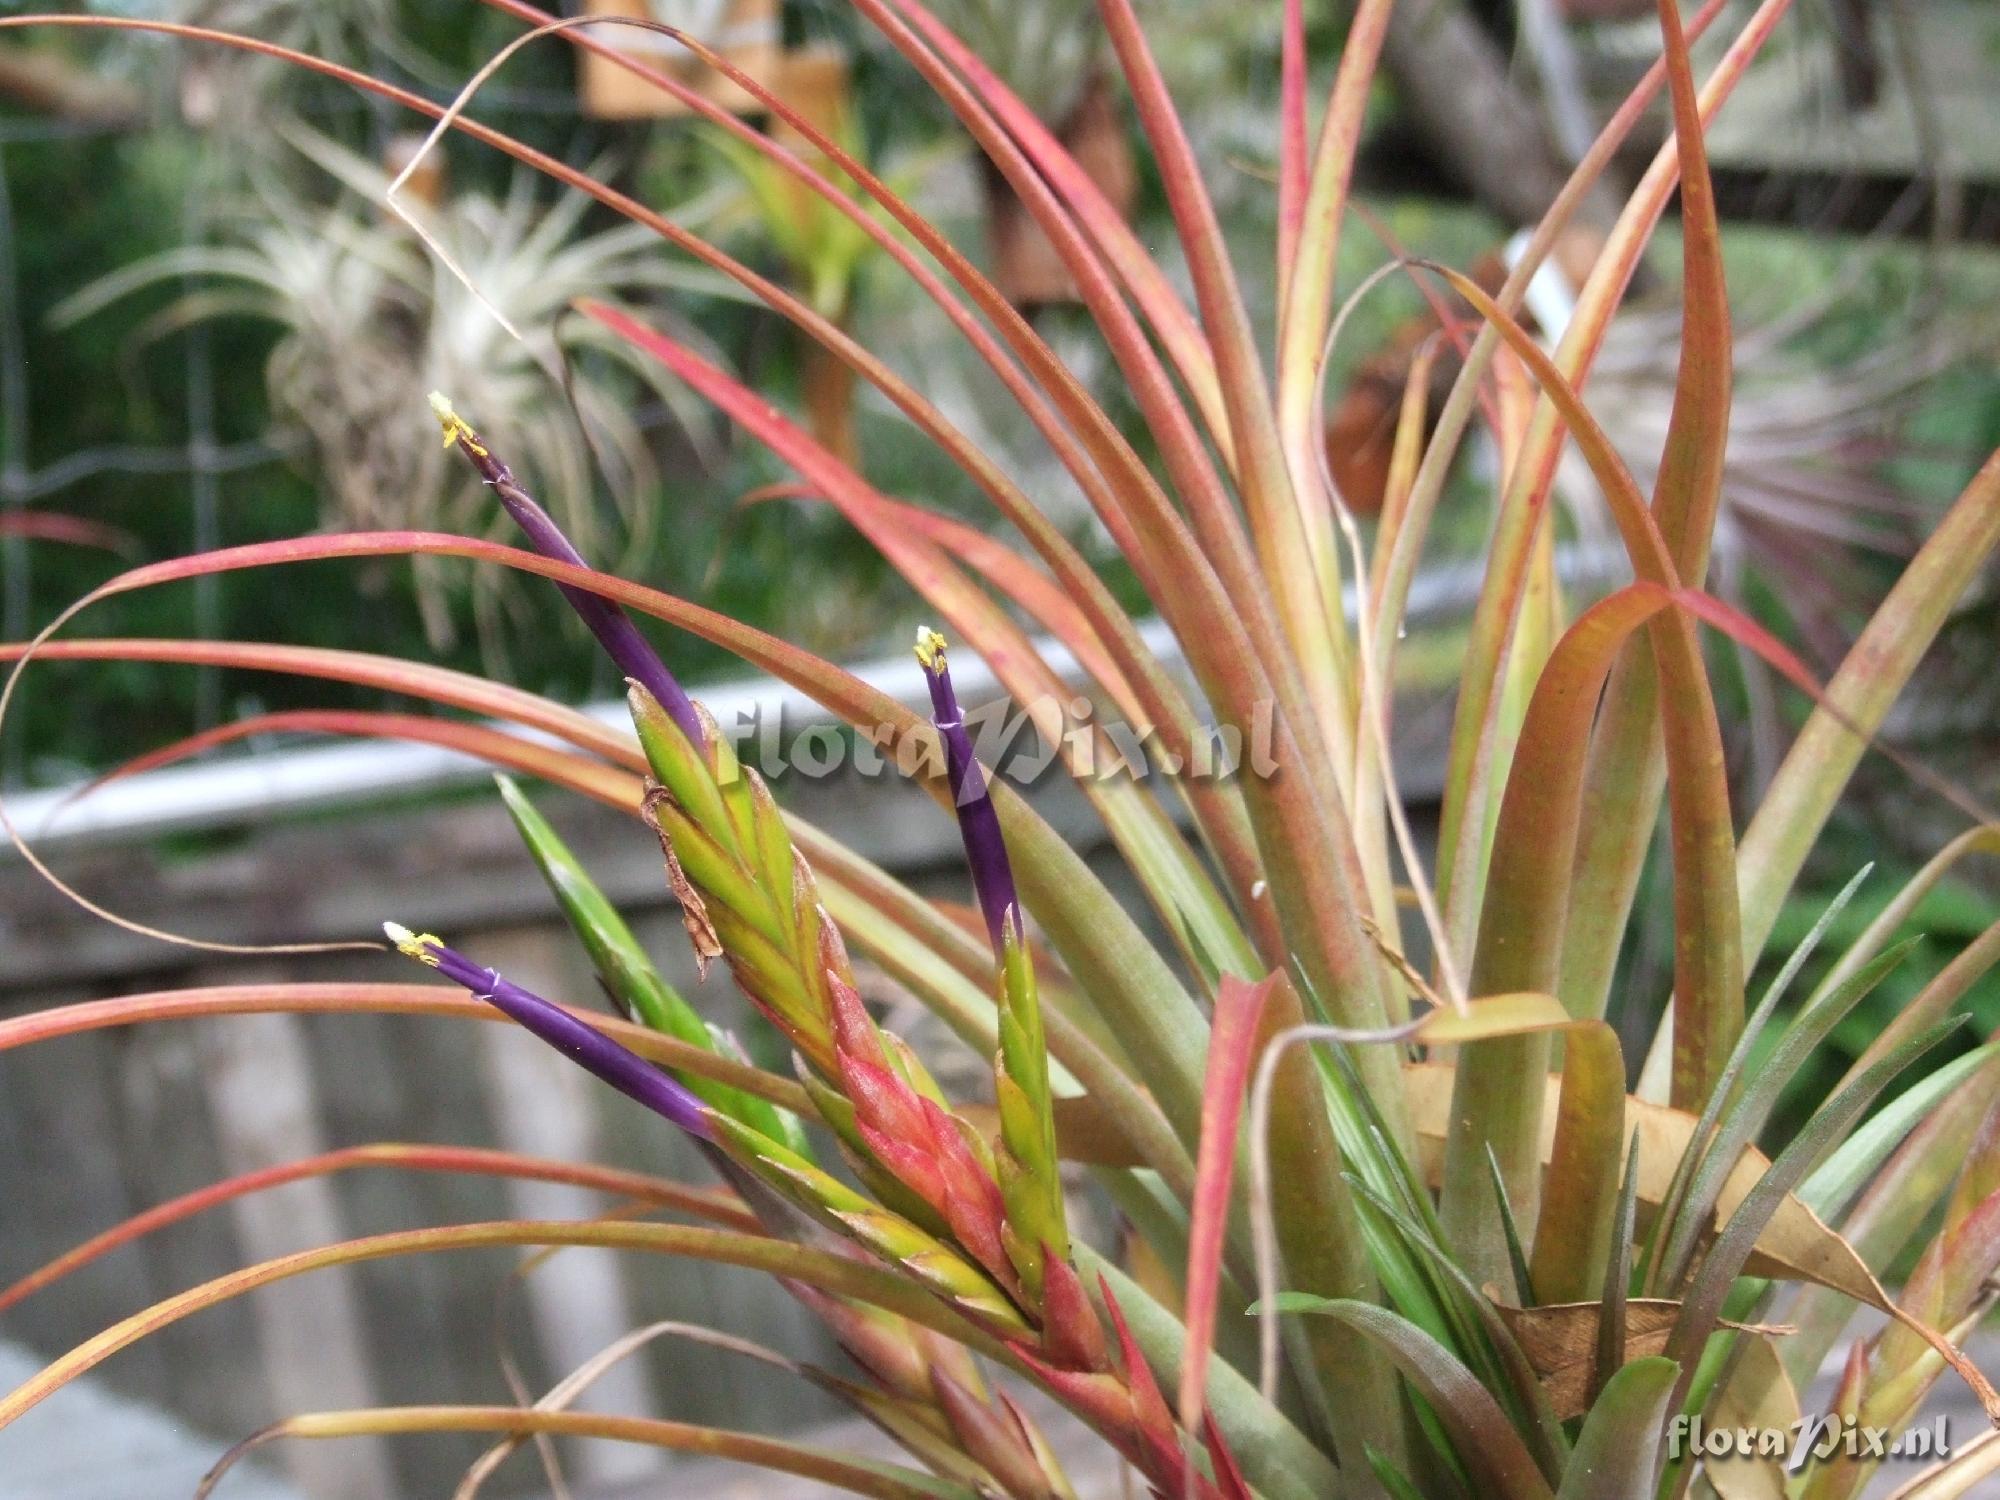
x=417 y=945
x=930 y=648
x=456 y=429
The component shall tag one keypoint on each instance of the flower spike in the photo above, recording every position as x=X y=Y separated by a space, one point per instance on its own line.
x=746 y=894
x=978 y=822
x=1036 y=1226
x=611 y=625
x=618 y=1066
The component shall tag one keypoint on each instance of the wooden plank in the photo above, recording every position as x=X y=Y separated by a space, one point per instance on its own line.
x=542 y=1104
x=59 y=1136
x=263 y=1092
x=164 y=1146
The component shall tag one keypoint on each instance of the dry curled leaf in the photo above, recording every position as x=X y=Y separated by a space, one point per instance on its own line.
x=694 y=911
x=1560 y=1341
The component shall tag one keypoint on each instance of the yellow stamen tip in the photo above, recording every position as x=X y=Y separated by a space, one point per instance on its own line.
x=456 y=429
x=930 y=648
x=415 y=945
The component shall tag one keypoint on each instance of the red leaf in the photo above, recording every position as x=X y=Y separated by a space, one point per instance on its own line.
x=1239 y=1007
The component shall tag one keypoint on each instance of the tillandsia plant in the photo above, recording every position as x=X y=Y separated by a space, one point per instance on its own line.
x=1483 y=1266
x=367 y=324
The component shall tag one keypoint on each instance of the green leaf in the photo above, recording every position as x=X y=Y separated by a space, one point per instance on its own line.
x=1857 y=1157
x=1482 y=1335
x=1741 y=1122
x=628 y=973
x=1399 y=1485
x=1497 y=1103
x=1487 y=1443
x=1620 y=1442
x=1725 y=1089
x=1030 y=1184
x=1517 y=1256
x=1940 y=1116
x=1617 y=1276
x=1724 y=1261
x=1573 y=1232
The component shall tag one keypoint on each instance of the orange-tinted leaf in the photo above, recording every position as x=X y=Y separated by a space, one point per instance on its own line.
x=1239 y=1009
x=858 y=1476
x=718 y=1207
x=376 y=999
x=592 y=778
x=439 y=685
x=827 y=1270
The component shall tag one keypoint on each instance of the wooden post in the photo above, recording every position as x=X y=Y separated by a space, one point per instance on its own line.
x=264 y=1096
x=542 y=1104
x=745 y=31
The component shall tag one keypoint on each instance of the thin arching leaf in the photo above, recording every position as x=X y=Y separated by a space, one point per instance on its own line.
x=1708 y=951
x=375 y=999
x=439 y=685
x=1111 y=236
x=837 y=1273
x=610 y=785
x=1180 y=889
x=1469 y=783
x=1486 y=1441
x=859 y=1476
x=1102 y=946
x=1627 y=768
x=717 y=1207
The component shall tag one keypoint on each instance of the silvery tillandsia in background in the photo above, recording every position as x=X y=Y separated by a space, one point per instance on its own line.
x=1411 y=1221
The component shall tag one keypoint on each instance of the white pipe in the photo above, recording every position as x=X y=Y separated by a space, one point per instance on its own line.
x=244 y=788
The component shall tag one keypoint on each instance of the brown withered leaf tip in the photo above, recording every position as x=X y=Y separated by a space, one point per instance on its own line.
x=1420 y=986
x=694 y=911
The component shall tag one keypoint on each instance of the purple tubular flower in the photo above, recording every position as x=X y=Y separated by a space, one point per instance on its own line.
x=618 y=1066
x=978 y=822
x=610 y=624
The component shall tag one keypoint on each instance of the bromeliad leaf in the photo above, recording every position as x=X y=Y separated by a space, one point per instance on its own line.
x=1620 y=1441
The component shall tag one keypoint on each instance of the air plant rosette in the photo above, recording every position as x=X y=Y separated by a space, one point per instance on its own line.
x=366 y=324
